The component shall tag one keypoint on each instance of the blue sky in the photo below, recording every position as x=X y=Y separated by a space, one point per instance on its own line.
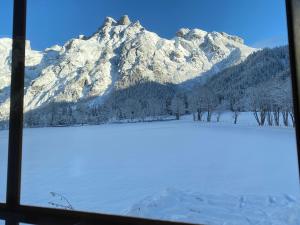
x=260 y=23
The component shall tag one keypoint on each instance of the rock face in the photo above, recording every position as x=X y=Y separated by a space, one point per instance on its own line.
x=109 y=22
x=117 y=55
x=124 y=20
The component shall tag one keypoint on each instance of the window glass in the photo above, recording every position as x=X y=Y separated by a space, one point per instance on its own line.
x=5 y=74
x=174 y=110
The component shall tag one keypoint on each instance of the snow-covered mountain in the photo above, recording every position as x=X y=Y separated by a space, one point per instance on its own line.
x=116 y=56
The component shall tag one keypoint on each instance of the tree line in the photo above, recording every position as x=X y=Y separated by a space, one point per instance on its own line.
x=152 y=101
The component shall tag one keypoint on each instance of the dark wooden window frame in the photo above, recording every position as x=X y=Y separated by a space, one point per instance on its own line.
x=13 y=212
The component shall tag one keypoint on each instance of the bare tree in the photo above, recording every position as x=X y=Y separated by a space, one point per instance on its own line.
x=270 y=118
x=196 y=106
x=220 y=109
x=290 y=107
x=259 y=105
x=235 y=106
x=210 y=102
x=177 y=106
x=276 y=115
x=285 y=118
x=202 y=100
x=236 y=114
x=287 y=106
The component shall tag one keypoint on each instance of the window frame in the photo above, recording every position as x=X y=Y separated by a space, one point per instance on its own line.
x=13 y=212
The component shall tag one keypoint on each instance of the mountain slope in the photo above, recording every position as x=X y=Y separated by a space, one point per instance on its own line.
x=118 y=55
x=267 y=69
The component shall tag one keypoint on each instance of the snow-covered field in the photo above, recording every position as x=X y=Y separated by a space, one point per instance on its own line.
x=212 y=173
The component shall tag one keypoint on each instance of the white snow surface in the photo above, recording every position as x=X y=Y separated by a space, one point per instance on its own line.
x=221 y=209
x=119 y=52
x=211 y=173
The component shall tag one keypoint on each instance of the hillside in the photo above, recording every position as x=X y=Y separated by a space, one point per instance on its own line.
x=268 y=68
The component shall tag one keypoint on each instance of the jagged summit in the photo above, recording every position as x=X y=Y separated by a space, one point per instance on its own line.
x=124 y=20
x=191 y=34
x=200 y=34
x=233 y=37
x=109 y=21
x=185 y=33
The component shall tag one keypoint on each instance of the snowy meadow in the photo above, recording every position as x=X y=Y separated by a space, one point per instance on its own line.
x=175 y=170
x=146 y=120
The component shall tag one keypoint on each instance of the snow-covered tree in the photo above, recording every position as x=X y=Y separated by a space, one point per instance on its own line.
x=259 y=105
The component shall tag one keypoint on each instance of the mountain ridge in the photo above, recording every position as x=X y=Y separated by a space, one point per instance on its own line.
x=119 y=54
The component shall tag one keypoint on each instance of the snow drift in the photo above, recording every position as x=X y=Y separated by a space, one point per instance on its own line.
x=177 y=205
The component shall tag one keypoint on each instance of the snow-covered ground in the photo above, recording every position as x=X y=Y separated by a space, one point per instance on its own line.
x=212 y=173
x=219 y=209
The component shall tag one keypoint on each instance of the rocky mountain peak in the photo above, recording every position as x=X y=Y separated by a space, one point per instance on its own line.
x=191 y=34
x=109 y=21
x=233 y=37
x=124 y=20
x=182 y=32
